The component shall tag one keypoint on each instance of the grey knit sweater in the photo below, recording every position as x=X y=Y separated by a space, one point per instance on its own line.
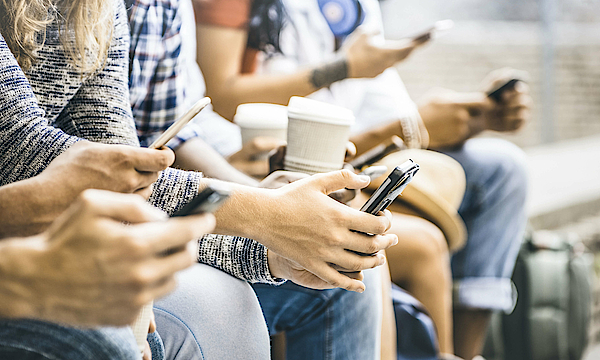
x=50 y=107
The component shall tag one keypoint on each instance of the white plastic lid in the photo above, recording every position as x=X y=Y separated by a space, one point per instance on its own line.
x=261 y=116
x=313 y=110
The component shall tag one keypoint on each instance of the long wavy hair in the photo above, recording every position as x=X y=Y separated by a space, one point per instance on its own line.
x=267 y=18
x=85 y=29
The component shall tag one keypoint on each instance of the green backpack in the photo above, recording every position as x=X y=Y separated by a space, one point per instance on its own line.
x=551 y=320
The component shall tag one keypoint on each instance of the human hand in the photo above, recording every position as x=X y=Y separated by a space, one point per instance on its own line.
x=91 y=269
x=280 y=178
x=277 y=158
x=452 y=117
x=283 y=268
x=119 y=168
x=248 y=159
x=276 y=161
x=366 y=59
x=514 y=108
x=304 y=225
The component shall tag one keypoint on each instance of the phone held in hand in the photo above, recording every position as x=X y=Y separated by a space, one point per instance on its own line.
x=393 y=186
x=432 y=32
x=207 y=201
x=180 y=123
x=496 y=93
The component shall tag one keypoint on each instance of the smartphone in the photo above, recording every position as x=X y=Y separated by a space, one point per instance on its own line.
x=496 y=93
x=433 y=31
x=373 y=172
x=180 y=123
x=393 y=186
x=207 y=201
x=378 y=152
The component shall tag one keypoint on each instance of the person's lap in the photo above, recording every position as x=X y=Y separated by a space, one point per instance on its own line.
x=493 y=209
x=325 y=324
x=211 y=315
x=36 y=340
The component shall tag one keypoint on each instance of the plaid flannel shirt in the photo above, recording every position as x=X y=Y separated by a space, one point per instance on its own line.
x=157 y=70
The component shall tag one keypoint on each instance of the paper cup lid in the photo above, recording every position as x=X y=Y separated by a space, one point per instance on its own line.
x=261 y=116
x=313 y=110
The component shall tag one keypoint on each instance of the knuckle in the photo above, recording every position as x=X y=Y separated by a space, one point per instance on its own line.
x=357 y=265
x=372 y=247
x=142 y=277
x=335 y=283
x=381 y=226
x=136 y=248
x=131 y=183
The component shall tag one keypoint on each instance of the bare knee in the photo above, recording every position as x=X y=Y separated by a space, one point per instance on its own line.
x=434 y=245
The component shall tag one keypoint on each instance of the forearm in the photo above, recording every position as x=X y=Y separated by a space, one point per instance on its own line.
x=28 y=207
x=195 y=154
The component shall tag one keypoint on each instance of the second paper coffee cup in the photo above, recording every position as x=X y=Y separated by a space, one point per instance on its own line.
x=258 y=119
x=317 y=136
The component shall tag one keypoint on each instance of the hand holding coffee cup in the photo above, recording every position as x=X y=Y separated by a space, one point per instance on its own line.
x=264 y=120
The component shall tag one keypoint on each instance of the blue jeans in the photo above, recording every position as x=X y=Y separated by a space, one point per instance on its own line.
x=38 y=340
x=493 y=209
x=325 y=324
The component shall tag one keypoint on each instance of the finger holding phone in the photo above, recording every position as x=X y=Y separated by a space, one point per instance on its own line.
x=508 y=89
x=368 y=55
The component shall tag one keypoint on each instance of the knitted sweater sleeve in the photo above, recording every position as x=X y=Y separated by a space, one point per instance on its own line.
x=27 y=142
x=100 y=110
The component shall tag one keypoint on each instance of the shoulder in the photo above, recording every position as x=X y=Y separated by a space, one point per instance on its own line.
x=228 y=13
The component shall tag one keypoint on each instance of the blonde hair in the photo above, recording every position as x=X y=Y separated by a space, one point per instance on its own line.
x=85 y=29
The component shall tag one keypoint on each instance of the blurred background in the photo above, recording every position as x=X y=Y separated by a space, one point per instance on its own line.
x=558 y=43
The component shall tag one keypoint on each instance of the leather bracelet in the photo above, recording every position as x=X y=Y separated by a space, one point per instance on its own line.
x=327 y=74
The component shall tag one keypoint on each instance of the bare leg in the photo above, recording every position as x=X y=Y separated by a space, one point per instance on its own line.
x=420 y=263
x=470 y=328
x=388 y=324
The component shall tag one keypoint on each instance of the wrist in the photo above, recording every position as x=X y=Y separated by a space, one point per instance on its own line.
x=330 y=73
x=275 y=265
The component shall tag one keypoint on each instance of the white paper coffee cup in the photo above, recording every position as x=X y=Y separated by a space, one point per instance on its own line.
x=141 y=324
x=258 y=119
x=317 y=136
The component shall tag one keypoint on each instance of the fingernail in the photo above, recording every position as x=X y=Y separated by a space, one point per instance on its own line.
x=395 y=240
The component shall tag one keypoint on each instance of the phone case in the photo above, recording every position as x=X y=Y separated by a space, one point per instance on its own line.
x=391 y=187
x=207 y=201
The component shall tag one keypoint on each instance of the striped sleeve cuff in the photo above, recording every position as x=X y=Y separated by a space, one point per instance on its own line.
x=243 y=258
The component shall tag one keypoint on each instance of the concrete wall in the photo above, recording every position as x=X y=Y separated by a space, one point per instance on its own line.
x=493 y=34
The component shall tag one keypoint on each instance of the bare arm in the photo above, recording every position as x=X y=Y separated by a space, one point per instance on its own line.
x=211 y=163
x=220 y=52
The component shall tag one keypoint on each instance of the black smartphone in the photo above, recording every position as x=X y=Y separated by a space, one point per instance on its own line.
x=393 y=186
x=377 y=153
x=207 y=201
x=496 y=93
